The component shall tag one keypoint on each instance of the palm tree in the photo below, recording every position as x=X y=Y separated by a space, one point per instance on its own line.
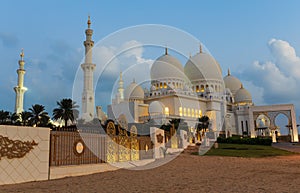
x=24 y=118
x=38 y=114
x=203 y=123
x=66 y=110
x=4 y=116
x=14 y=118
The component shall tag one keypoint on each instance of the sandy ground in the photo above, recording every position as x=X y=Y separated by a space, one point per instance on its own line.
x=186 y=173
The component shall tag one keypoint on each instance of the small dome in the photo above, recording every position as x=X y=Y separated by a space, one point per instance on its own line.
x=166 y=67
x=243 y=96
x=203 y=66
x=233 y=83
x=156 y=108
x=134 y=91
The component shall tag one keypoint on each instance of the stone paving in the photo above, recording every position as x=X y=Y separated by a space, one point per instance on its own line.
x=293 y=147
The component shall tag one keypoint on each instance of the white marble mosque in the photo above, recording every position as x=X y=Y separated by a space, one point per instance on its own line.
x=180 y=91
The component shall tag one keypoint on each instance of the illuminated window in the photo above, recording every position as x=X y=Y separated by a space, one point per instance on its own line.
x=165 y=85
x=200 y=113
x=180 y=111
x=189 y=112
x=193 y=113
x=184 y=111
x=167 y=111
x=160 y=85
x=196 y=113
x=202 y=88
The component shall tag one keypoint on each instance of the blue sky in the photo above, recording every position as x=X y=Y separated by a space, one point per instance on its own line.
x=258 y=39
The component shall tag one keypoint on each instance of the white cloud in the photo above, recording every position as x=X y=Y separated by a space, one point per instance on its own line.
x=111 y=60
x=278 y=80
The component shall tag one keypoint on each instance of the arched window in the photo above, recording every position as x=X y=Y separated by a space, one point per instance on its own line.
x=180 y=111
x=167 y=111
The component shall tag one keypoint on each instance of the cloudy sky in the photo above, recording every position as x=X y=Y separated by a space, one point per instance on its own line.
x=259 y=40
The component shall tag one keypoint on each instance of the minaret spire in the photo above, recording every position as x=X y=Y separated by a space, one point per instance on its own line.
x=88 y=103
x=20 y=89
x=89 y=22
x=228 y=73
x=166 y=50
x=121 y=87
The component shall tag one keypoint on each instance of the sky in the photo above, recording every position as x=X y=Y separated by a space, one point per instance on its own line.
x=257 y=39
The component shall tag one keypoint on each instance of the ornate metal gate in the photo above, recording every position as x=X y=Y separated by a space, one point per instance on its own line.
x=121 y=147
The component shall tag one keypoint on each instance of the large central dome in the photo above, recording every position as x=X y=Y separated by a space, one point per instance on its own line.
x=167 y=67
x=203 y=66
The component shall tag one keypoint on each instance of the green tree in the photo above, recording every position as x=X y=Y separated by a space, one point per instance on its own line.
x=203 y=123
x=4 y=117
x=14 y=118
x=67 y=110
x=38 y=114
x=24 y=118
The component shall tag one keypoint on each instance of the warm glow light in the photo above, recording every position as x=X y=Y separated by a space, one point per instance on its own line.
x=180 y=111
x=167 y=111
x=200 y=113
x=184 y=111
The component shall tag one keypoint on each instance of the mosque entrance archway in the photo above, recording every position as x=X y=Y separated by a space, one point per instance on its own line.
x=273 y=112
x=281 y=123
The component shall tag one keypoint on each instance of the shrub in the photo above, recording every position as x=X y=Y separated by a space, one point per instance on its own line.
x=245 y=140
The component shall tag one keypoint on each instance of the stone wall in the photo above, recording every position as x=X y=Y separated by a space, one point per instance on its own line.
x=29 y=160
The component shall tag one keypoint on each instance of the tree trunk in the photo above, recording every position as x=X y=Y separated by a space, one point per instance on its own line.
x=66 y=123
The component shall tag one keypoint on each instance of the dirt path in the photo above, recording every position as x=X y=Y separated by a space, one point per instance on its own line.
x=186 y=173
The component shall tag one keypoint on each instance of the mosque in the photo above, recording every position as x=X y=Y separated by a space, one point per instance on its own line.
x=185 y=92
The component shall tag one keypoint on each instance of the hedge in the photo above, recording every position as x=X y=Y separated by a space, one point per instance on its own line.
x=246 y=140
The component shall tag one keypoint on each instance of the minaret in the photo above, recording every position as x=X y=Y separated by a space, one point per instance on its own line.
x=20 y=89
x=88 y=102
x=121 y=88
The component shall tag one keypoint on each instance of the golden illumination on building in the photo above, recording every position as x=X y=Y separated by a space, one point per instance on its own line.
x=202 y=88
x=165 y=85
x=167 y=111
x=180 y=111
x=193 y=113
x=184 y=111
x=196 y=113
x=189 y=112
x=200 y=113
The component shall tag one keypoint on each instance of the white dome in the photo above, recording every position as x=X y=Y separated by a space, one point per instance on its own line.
x=242 y=96
x=166 y=67
x=134 y=91
x=203 y=66
x=156 y=108
x=233 y=83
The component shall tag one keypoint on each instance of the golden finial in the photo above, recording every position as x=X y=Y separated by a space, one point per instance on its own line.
x=228 y=72
x=200 y=48
x=22 y=54
x=166 y=50
x=89 y=21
